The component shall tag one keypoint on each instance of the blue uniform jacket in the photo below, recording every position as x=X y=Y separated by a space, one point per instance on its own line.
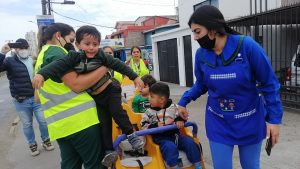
x=237 y=108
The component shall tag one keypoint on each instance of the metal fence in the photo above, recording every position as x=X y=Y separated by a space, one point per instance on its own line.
x=278 y=32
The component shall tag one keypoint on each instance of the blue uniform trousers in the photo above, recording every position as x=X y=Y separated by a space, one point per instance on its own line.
x=222 y=155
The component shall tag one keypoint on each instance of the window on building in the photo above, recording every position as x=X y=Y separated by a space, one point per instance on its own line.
x=207 y=2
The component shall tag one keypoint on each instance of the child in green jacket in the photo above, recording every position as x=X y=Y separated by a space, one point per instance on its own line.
x=140 y=102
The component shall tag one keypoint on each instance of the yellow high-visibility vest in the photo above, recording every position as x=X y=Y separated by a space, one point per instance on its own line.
x=65 y=111
x=118 y=76
x=141 y=70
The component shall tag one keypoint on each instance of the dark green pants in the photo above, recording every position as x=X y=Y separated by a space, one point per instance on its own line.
x=80 y=148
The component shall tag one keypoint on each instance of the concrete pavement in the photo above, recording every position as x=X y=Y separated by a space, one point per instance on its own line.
x=14 y=152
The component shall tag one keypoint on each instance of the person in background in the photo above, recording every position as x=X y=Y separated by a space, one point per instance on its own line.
x=19 y=70
x=140 y=102
x=116 y=75
x=136 y=62
x=243 y=105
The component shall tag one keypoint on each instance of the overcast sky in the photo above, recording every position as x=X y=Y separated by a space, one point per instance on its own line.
x=19 y=16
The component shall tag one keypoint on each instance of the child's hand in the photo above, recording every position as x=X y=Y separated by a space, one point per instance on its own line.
x=180 y=124
x=138 y=83
x=160 y=123
x=38 y=81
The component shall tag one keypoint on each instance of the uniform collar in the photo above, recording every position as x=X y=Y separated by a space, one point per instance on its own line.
x=228 y=54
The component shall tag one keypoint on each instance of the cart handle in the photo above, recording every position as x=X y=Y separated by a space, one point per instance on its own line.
x=155 y=131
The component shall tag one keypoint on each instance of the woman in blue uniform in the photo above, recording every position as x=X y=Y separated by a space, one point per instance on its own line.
x=243 y=91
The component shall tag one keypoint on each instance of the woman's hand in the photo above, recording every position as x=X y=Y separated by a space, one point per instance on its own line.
x=38 y=81
x=273 y=132
x=183 y=113
x=138 y=83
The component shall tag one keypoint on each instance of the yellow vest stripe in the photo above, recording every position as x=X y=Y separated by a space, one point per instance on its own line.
x=70 y=112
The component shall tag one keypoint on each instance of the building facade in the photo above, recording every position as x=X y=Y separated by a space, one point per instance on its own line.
x=32 y=40
x=132 y=31
x=164 y=28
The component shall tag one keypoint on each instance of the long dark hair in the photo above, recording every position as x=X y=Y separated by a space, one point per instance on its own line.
x=46 y=32
x=211 y=18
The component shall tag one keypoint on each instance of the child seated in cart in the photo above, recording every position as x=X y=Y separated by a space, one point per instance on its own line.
x=140 y=102
x=163 y=112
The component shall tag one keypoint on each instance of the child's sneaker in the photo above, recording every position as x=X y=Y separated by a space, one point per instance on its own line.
x=34 y=150
x=135 y=141
x=110 y=158
x=48 y=145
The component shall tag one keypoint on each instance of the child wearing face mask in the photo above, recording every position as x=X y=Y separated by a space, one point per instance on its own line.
x=106 y=94
x=19 y=70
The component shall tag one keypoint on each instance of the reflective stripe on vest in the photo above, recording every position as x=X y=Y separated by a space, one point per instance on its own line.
x=70 y=112
x=58 y=98
x=65 y=111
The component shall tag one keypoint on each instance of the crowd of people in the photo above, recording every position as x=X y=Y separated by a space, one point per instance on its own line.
x=79 y=94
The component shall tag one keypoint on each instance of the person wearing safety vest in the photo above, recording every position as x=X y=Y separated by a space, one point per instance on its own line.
x=71 y=117
x=116 y=75
x=136 y=62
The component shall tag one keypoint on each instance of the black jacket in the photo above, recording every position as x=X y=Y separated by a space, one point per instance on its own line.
x=18 y=76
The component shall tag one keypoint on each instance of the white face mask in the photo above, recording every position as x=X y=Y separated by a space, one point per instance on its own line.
x=24 y=53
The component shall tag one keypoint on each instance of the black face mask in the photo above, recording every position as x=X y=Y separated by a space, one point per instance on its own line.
x=69 y=46
x=206 y=43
